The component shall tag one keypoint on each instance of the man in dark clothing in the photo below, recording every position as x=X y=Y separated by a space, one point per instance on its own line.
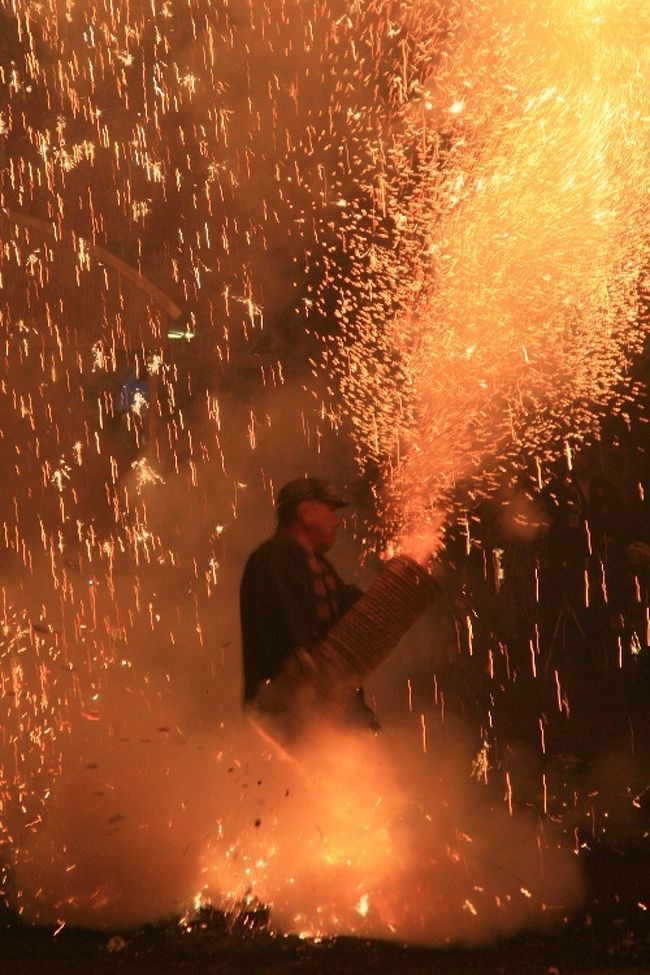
x=290 y=597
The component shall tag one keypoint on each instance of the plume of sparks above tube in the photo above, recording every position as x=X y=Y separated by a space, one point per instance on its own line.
x=494 y=305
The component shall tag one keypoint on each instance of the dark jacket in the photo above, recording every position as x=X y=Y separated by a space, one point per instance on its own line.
x=278 y=608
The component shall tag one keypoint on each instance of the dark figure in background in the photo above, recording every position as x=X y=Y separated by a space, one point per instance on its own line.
x=290 y=597
x=585 y=578
x=584 y=582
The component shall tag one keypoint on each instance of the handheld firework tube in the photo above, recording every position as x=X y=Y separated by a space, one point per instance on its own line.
x=376 y=623
x=353 y=648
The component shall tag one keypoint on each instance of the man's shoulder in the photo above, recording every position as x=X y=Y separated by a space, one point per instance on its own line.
x=279 y=548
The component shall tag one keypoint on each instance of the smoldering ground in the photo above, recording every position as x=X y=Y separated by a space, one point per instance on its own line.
x=365 y=837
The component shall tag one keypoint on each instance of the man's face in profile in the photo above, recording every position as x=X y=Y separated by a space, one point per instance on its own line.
x=319 y=521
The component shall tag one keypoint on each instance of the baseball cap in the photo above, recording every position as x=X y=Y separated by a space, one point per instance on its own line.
x=307 y=489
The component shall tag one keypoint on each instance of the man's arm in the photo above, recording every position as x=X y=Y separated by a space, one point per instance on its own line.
x=276 y=614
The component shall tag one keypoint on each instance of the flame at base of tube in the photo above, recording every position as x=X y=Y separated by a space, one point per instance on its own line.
x=357 y=837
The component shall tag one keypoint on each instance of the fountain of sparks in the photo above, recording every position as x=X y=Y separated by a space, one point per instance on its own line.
x=493 y=307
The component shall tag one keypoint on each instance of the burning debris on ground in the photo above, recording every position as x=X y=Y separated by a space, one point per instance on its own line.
x=402 y=246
